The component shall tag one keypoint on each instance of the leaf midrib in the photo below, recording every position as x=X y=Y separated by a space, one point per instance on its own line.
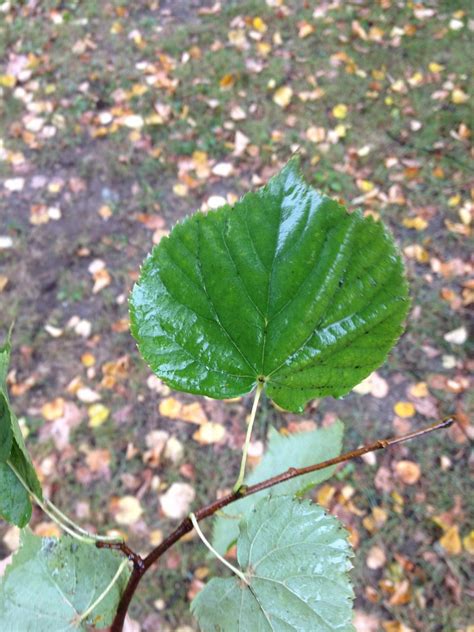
x=211 y=303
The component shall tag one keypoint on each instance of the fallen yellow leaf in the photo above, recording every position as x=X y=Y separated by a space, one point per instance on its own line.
x=193 y=413
x=375 y=521
x=209 y=433
x=415 y=251
x=435 y=67
x=170 y=407
x=259 y=25
x=404 y=409
x=88 y=359
x=264 y=48
x=105 y=212
x=418 y=223
x=316 y=134
x=127 y=510
x=156 y=537
x=325 y=494
x=7 y=81
x=468 y=542
x=365 y=185
x=451 y=541
x=339 y=111
x=117 y=368
x=282 y=96
x=173 y=409
x=376 y=34
x=54 y=409
x=98 y=414
x=458 y=96
x=116 y=28
x=420 y=389
x=180 y=189
x=415 y=79
x=305 y=29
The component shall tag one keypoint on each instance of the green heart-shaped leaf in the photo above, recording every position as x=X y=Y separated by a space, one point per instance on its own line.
x=51 y=582
x=296 y=560
x=285 y=288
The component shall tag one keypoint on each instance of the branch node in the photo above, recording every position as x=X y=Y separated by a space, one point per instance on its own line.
x=137 y=561
x=241 y=492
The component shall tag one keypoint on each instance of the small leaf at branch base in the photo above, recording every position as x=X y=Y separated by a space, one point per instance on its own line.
x=296 y=561
x=15 y=505
x=286 y=286
x=51 y=582
x=6 y=434
x=298 y=450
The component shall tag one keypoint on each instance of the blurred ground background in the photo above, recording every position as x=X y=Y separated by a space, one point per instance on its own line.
x=117 y=119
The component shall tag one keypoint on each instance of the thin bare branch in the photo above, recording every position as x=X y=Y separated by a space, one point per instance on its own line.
x=186 y=525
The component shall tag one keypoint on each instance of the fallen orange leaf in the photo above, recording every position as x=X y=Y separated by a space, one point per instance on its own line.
x=54 y=409
x=408 y=472
x=227 y=81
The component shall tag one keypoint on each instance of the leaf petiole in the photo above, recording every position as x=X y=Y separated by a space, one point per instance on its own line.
x=243 y=463
x=94 y=536
x=233 y=568
x=58 y=517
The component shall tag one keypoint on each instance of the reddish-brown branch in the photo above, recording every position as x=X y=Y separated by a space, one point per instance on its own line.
x=141 y=566
x=137 y=560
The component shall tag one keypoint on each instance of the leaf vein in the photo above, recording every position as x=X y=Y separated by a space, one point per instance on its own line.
x=211 y=303
x=327 y=280
x=257 y=309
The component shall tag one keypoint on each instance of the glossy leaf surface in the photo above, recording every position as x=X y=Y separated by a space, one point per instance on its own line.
x=285 y=287
x=6 y=434
x=296 y=560
x=50 y=583
x=297 y=450
x=15 y=505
